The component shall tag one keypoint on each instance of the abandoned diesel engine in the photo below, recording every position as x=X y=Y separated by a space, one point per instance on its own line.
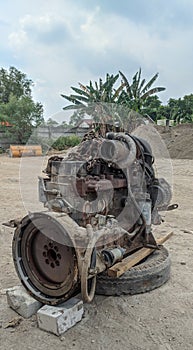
x=100 y=202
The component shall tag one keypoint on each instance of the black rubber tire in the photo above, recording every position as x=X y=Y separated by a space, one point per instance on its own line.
x=147 y=275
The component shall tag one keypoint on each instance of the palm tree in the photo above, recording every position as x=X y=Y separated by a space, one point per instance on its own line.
x=98 y=99
x=137 y=92
x=93 y=93
x=108 y=104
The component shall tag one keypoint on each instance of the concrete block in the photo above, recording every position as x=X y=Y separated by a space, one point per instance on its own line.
x=58 y=319
x=21 y=302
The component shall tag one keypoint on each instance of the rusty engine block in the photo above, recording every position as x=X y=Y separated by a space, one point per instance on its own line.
x=102 y=199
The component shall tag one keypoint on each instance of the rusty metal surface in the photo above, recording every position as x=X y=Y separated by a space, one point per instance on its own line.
x=102 y=195
x=43 y=252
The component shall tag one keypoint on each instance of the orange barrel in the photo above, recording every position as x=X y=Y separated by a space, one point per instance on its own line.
x=25 y=150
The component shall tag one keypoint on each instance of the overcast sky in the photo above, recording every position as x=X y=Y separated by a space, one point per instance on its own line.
x=62 y=42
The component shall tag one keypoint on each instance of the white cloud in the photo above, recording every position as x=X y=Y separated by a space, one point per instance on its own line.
x=60 y=43
x=18 y=40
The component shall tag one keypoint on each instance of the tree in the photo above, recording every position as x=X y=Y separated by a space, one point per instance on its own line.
x=138 y=91
x=51 y=122
x=96 y=100
x=17 y=106
x=151 y=107
x=87 y=95
x=77 y=116
x=181 y=109
x=65 y=125
x=13 y=82
x=105 y=102
x=24 y=115
x=187 y=108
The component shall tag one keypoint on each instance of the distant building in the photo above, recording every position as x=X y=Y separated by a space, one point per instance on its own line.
x=84 y=124
x=82 y=127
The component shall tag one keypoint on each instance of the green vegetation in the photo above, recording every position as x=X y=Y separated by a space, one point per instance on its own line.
x=64 y=142
x=116 y=98
x=98 y=92
x=136 y=94
x=17 y=107
x=112 y=100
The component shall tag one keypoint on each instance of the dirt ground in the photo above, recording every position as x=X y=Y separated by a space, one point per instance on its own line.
x=157 y=320
x=179 y=140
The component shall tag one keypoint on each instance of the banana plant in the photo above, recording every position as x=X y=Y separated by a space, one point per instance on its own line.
x=138 y=91
x=100 y=91
x=103 y=101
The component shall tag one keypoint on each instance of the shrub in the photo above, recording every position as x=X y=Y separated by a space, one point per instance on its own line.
x=64 y=142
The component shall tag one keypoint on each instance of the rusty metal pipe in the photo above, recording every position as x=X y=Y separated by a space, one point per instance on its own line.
x=120 y=150
x=112 y=150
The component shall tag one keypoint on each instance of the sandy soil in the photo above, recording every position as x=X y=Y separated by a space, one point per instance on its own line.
x=158 y=320
x=178 y=139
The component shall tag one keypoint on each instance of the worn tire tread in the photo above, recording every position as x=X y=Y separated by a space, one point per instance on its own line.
x=153 y=272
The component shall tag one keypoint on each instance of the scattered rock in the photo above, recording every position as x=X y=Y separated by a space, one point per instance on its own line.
x=2 y=292
x=188 y=231
x=21 y=302
x=62 y=338
x=14 y=322
x=58 y=319
x=12 y=223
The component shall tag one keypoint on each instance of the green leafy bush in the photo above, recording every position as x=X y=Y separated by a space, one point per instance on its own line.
x=64 y=142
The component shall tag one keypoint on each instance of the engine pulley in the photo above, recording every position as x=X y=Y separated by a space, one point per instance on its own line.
x=45 y=258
